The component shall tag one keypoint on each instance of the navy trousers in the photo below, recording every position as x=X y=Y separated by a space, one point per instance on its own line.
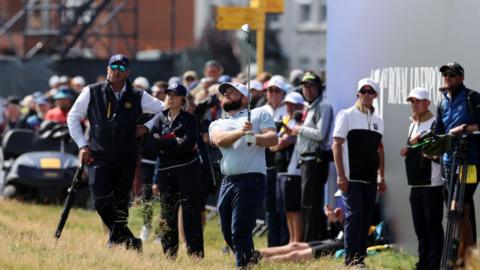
x=359 y=207
x=239 y=201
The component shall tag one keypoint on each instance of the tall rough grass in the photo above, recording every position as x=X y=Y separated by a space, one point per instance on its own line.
x=27 y=242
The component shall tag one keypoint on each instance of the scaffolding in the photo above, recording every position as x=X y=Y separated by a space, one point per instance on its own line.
x=73 y=28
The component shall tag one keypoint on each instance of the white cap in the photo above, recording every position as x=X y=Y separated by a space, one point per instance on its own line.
x=53 y=81
x=240 y=87
x=419 y=93
x=254 y=84
x=294 y=98
x=367 y=81
x=78 y=80
x=142 y=82
x=63 y=79
x=277 y=81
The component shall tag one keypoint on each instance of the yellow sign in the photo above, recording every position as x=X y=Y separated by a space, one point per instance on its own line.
x=232 y=18
x=269 y=6
x=50 y=163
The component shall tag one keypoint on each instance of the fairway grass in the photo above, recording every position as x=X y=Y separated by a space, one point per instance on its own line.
x=27 y=242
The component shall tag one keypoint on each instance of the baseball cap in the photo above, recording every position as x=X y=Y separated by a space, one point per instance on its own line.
x=453 y=67
x=64 y=93
x=254 y=84
x=277 y=81
x=311 y=77
x=240 y=87
x=119 y=58
x=369 y=82
x=177 y=88
x=419 y=93
x=294 y=98
x=41 y=100
x=141 y=82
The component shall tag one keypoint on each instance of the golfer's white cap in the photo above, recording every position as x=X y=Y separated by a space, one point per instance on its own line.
x=419 y=93
x=240 y=87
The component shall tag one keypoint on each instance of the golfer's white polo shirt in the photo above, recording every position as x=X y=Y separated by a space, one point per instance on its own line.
x=240 y=158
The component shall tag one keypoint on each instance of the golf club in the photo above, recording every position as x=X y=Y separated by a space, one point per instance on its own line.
x=249 y=137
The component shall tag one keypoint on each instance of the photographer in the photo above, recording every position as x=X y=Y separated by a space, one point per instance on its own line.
x=459 y=112
x=426 y=196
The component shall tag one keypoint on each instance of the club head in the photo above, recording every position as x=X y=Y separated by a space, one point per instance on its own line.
x=246 y=28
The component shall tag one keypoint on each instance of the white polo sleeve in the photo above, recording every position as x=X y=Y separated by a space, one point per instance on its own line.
x=76 y=114
x=341 y=125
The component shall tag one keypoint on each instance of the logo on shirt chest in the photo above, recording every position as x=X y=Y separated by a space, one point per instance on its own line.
x=128 y=105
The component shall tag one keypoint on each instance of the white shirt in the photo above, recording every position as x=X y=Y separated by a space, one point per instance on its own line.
x=79 y=111
x=352 y=119
x=277 y=113
x=239 y=158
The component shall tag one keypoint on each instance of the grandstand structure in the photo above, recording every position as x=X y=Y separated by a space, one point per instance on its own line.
x=69 y=28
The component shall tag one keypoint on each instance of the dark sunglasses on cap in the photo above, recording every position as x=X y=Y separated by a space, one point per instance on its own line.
x=449 y=74
x=118 y=67
x=369 y=91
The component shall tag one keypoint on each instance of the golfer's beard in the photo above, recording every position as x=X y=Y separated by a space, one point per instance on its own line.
x=232 y=105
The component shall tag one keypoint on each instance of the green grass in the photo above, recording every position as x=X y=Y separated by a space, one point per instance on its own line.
x=27 y=242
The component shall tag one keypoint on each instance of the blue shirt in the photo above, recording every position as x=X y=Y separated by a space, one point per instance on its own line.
x=455 y=112
x=239 y=158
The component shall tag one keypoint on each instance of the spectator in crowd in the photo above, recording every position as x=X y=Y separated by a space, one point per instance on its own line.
x=77 y=84
x=264 y=77
x=424 y=176
x=158 y=90
x=175 y=137
x=113 y=108
x=12 y=114
x=141 y=83
x=213 y=69
x=313 y=145
x=243 y=187
x=258 y=95
x=63 y=102
x=190 y=79
x=276 y=219
x=458 y=98
x=288 y=189
x=314 y=149
x=42 y=105
x=360 y=167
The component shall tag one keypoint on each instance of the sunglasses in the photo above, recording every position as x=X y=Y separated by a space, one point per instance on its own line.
x=118 y=67
x=369 y=91
x=274 y=90
x=449 y=75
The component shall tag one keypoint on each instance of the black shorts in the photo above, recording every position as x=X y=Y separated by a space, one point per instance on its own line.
x=326 y=247
x=289 y=193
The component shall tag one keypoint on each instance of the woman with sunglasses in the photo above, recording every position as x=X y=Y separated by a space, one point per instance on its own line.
x=178 y=184
x=359 y=160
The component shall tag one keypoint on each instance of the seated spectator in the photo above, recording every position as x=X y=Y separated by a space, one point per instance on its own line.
x=303 y=251
x=190 y=79
x=63 y=102
x=158 y=90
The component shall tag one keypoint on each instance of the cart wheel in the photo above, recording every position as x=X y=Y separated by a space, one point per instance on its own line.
x=9 y=191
